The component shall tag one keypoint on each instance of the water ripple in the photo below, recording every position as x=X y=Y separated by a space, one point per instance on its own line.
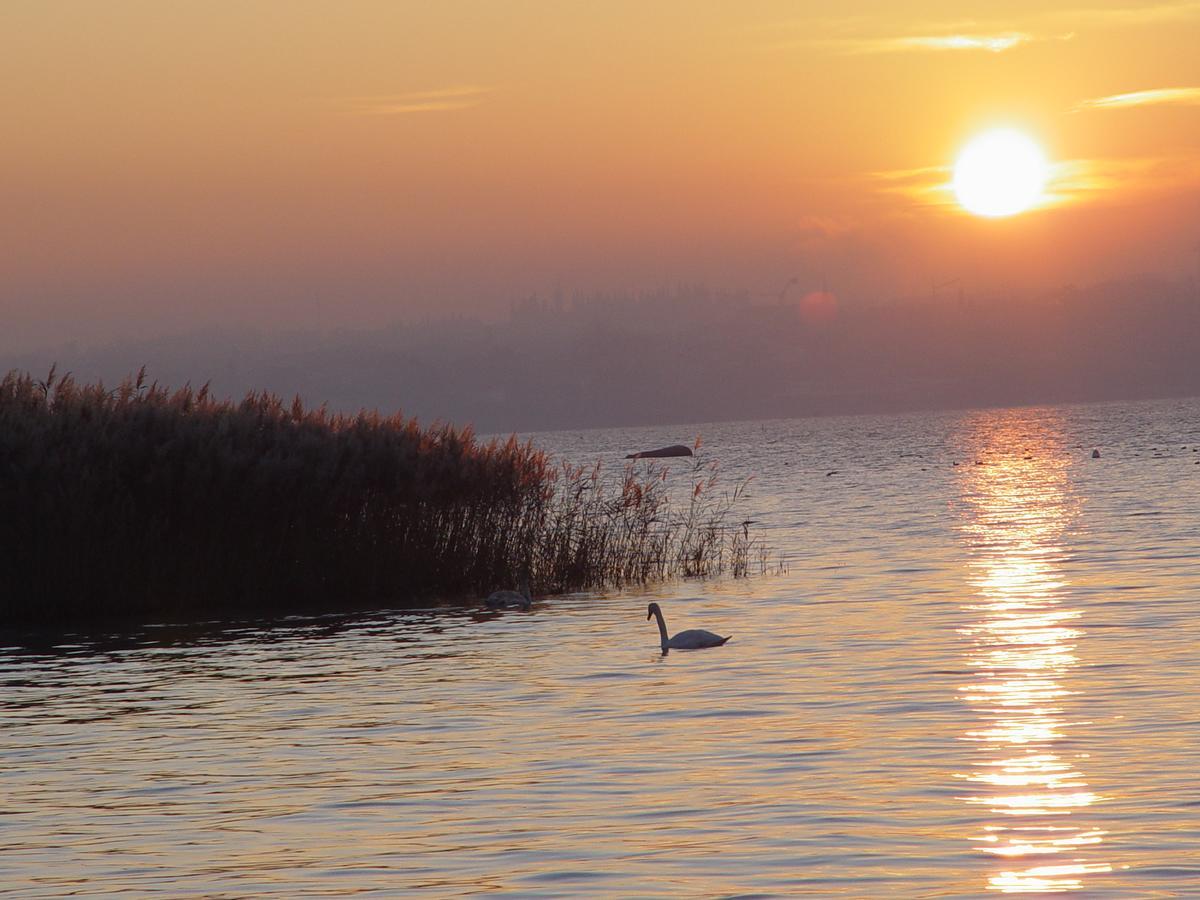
x=971 y=679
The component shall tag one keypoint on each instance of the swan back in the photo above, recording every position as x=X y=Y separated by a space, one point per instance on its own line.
x=692 y=639
x=695 y=639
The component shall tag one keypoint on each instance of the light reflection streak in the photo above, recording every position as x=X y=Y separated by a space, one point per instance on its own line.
x=1024 y=645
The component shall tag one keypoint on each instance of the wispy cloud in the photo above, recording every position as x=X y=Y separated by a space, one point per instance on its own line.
x=1078 y=178
x=1070 y=181
x=903 y=179
x=860 y=35
x=926 y=186
x=992 y=43
x=444 y=99
x=1180 y=96
x=940 y=38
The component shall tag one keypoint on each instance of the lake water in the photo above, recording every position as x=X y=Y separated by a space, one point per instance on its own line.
x=978 y=674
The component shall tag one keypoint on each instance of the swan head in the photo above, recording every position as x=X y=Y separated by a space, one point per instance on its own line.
x=651 y=610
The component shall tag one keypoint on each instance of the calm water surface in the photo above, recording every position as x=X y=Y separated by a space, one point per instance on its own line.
x=978 y=675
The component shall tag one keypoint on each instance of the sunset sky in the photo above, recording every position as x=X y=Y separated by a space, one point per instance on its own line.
x=173 y=165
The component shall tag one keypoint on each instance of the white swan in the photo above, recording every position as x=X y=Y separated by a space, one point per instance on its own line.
x=521 y=599
x=692 y=639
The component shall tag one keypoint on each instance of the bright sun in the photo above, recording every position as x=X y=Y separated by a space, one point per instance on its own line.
x=1000 y=173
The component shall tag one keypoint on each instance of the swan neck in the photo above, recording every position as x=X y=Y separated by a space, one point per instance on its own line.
x=662 y=626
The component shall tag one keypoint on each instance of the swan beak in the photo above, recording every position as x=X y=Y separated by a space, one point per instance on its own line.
x=649 y=616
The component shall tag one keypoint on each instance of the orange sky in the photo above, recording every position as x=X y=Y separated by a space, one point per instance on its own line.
x=168 y=165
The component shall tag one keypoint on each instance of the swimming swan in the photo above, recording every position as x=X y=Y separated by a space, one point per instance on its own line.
x=692 y=639
x=510 y=599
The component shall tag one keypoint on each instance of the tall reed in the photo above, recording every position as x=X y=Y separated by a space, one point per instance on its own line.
x=145 y=500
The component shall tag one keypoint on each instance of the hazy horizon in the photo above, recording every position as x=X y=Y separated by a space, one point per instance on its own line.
x=691 y=356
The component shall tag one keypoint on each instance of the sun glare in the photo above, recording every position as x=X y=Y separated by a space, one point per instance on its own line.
x=1000 y=173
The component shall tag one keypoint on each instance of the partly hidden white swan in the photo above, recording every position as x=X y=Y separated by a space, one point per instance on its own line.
x=692 y=639
x=521 y=599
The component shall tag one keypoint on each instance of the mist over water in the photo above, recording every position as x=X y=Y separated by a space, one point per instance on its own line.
x=977 y=674
x=693 y=355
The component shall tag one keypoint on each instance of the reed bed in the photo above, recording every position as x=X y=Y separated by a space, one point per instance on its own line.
x=143 y=500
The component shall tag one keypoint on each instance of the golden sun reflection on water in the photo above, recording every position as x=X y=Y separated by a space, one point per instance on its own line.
x=1024 y=638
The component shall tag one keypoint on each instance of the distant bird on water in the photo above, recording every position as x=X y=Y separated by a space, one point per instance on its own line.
x=521 y=599
x=692 y=639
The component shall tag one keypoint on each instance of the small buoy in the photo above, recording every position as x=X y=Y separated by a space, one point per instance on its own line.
x=1095 y=454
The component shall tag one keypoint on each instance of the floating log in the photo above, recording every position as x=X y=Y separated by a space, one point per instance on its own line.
x=673 y=450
